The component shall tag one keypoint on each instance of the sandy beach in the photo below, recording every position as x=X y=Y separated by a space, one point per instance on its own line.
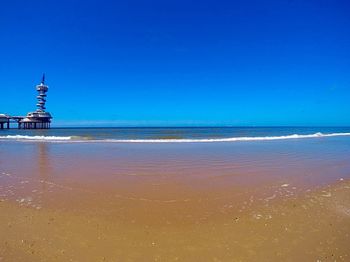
x=266 y=201
x=311 y=227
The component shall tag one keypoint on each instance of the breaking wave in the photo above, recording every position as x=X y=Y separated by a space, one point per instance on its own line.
x=184 y=140
x=40 y=138
x=230 y=139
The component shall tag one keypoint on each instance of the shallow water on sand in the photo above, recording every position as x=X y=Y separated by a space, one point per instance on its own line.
x=256 y=201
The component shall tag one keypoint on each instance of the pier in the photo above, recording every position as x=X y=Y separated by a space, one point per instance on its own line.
x=39 y=119
x=4 y=121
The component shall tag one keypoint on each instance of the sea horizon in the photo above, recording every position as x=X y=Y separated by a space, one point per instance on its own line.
x=204 y=126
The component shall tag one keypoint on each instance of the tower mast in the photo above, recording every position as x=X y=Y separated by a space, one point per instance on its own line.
x=42 y=89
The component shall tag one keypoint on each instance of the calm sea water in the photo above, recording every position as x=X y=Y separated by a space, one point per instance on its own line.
x=170 y=133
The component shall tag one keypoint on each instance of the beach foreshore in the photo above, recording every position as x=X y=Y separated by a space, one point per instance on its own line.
x=312 y=226
x=256 y=201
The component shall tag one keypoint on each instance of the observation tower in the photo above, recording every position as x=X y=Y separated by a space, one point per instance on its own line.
x=39 y=119
x=42 y=89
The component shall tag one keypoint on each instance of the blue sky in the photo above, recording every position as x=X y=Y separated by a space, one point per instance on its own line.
x=133 y=63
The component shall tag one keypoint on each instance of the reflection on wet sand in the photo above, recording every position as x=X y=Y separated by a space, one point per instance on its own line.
x=130 y=203
x=43 y=166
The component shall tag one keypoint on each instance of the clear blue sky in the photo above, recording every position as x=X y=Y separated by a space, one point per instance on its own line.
x=178 y=62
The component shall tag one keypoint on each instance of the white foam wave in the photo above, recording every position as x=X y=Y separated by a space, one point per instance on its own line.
x=40 y=138
x=185 y=140
x=230 y=139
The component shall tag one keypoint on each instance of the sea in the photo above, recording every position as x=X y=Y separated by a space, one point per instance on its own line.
x=309 y=156
x=172 y=134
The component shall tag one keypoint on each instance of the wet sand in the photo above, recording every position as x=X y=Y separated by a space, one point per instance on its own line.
x=240 y=202
x=311 y=227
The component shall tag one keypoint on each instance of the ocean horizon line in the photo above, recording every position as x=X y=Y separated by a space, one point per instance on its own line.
x=206 y=126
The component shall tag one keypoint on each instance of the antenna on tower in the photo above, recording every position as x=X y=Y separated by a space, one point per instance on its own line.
x=43 y=79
